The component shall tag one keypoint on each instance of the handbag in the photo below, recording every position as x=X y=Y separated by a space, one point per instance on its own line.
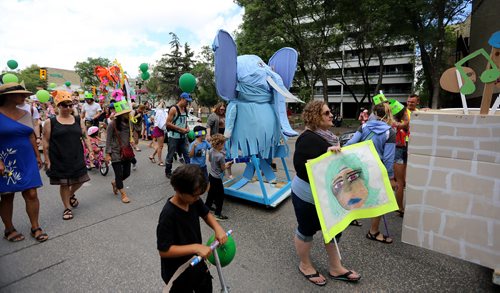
x=126 y=151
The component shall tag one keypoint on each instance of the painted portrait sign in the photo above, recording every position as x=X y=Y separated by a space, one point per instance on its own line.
x=349 y=185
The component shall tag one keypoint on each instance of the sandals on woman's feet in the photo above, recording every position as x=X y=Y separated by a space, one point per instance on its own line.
x=356 y=223
x=41 y=237
x=13 y=235
x=73 y=202
x=345 y=277
x=311 y=276
x=374 y=238
x=67 y=214
x=152 y=160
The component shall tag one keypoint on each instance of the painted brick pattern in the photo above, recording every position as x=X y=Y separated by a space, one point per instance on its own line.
x=453 y=186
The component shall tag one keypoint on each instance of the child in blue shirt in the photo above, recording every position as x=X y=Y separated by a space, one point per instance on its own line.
x=198 y=149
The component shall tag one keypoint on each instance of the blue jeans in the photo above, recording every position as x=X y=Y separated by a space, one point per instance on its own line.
x=175 y=145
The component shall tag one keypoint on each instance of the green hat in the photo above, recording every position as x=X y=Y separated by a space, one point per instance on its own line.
x=378 y=99
x=396 y=106
x=121 y=107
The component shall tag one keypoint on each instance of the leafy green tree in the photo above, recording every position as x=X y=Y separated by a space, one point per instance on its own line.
x=86 y=69
x=31 y=77
x=307 y=25
x=205 y=93
x=426 y=21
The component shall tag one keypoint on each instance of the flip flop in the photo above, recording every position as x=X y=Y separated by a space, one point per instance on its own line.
x=345 y=277
x=315 y=275
x=356 y=223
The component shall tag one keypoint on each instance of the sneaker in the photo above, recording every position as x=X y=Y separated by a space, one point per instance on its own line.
x=212 y=208
x=221 y=217
x=168 y=176
x=134 y=167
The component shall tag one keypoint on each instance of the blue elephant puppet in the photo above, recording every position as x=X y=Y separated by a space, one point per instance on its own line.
x=256 y=118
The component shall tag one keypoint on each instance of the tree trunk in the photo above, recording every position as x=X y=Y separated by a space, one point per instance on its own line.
x=324 y=81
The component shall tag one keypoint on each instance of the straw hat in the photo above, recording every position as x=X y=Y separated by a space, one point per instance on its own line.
x=61 y=96
x=13 y=88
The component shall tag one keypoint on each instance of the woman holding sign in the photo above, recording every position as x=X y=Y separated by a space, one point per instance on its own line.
x=312 y=143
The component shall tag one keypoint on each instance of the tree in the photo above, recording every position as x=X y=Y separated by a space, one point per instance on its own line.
x=368 y=29
x=306 y=25
x=86 y=69
x=206 y=94
x=426 y=22
x=171 y=66
x=31 y=77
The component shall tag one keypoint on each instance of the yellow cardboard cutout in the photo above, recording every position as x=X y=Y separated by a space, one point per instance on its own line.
x=349 y=185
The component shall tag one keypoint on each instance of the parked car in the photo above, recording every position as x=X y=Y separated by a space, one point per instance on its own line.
x=344 y=137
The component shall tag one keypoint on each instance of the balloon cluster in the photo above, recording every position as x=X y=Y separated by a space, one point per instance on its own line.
x=144 y=69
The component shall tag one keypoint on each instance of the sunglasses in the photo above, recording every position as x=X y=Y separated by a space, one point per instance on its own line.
x=64 y=105
x=327 y=113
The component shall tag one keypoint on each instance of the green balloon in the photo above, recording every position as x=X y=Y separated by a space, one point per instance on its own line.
x=143 y=67
x=9 y=77
x=145 y=75
x=226 y=252
x=43 y=96
x=190 y=135
x=68 y=83
x=52 y=85
x=12 y=64
x=187 y=82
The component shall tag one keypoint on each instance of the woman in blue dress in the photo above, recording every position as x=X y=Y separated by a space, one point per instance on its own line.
x=19 y=161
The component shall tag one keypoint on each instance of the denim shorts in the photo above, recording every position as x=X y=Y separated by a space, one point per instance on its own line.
x=401 y=156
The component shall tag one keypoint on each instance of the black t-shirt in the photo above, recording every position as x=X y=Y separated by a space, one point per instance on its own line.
x=308 y=146
x=178 y=227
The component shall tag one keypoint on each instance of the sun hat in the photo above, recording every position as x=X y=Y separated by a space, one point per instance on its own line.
x=13 y=88
x=121 y=107
x=186 y=96
x=61 y=96
x=92 y=130
x=378 y=99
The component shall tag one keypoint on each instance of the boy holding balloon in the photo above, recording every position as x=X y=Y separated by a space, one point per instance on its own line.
x=179 y=235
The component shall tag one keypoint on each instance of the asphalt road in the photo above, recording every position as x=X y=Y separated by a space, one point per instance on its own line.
x=111 y=247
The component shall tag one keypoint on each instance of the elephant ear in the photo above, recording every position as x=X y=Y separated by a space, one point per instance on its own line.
x=225 y=65
x=284 y=63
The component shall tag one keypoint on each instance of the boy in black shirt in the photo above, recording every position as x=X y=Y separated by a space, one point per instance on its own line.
x=178 y=232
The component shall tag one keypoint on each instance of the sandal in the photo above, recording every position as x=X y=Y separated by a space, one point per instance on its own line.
x=152 y=160
x=345 y=277
x=356 y=223
x=73 y=202
x=374 y=238
x=41 y=237
x=315 y=275
x=161 y=164
x=13 y=235
x=67 y=214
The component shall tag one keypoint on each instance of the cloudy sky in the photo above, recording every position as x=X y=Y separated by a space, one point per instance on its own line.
x=58 y=33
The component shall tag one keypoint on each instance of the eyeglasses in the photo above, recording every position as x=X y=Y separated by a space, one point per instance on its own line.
x=327 y=113
x=65 y=105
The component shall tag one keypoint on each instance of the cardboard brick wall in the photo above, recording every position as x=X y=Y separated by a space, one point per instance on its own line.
x=453 y=186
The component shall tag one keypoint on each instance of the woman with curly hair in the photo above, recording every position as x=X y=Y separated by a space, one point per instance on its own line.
x=312 y=143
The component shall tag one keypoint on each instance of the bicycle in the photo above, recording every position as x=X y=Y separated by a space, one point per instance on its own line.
x=99 y=161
